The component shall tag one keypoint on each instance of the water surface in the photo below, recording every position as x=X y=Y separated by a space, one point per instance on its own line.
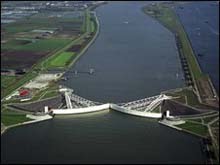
x=201 y=22
x=103 y=137
x=134 y=57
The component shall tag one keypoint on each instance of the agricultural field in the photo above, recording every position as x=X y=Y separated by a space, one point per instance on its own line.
x=6 y=81
x=37 y=36
x=8 y=88
x=36 y=45
x=46 y=40
x=20 y=59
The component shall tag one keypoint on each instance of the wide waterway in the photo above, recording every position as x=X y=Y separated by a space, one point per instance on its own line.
x=201 y=22
x=102 y=137
x=133 y=56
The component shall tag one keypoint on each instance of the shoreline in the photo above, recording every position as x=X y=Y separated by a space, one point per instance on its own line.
x=88 y=45
x=6 y=128
x=193 y=74
x=67 y=68
x=181 y=129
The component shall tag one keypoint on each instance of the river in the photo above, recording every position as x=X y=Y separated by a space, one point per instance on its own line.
x=133 y=56
x=131 y=60
x=102 y=137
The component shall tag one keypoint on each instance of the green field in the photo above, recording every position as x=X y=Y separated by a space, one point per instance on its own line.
x=195 y=128
x=61 y=59
x=209 y=119
x=7 y=80
x=199 y=120
x=89 y=22
x=16 y=28
x=38 y=45
x=50 y=94
x=92 y=25
x=21 y=81
x=55 y=46
x=41 y=21
x=9 y=117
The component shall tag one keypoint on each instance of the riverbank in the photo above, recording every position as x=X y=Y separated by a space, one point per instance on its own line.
x=73 y=61
x=34 y=119
x=89 y=44
x=192 y=71
x=202 y=87
x=43 y=64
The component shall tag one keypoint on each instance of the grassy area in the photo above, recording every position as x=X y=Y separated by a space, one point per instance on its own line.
x=88 y=23
x=215 y=124
x=192 y=98
x=9 y=117
x=46 y=44
x=92 y=25
x=208 y=119
x=19 y=28
x=61 y=59
x=50 y=94
x=45 y=64
x=84 y=27
x=195 y=120
x=196 y=128
x=88 y=20
x=181 y=99
x=50 y=91
x=57 y=46
x=20 y=82
x=38 y=45
x=7 y=80
x=42 y=21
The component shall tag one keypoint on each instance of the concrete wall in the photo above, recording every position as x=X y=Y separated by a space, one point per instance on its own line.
x=81 y=110
x=104 y=107
x=136 y=113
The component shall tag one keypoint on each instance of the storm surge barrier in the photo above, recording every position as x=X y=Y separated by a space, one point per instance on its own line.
x=87 y=106
x=105 y=107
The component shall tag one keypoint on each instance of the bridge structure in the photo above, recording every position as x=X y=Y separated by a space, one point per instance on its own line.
x=76 y=104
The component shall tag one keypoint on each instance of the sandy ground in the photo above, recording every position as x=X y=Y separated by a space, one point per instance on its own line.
x=42 y=81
